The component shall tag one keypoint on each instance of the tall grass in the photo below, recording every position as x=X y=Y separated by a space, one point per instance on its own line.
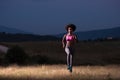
x=59 y=72
x=92 y=61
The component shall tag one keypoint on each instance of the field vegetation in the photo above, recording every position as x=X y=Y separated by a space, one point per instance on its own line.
x=46 y=60
x=59 y=72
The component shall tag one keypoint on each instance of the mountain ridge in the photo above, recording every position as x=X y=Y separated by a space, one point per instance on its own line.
x=11 y=30
x=96 y=34
x=82 y=35
x=16 y=35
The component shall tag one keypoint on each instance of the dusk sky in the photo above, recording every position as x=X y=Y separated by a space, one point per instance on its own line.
x=51 y=16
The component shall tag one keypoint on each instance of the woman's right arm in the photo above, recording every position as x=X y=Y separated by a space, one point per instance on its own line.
x=63 y=41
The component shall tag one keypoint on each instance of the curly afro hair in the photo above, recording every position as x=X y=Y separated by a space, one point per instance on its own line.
x=70 y=26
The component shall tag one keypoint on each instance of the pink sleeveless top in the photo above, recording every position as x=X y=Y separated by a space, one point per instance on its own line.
x=69 y=38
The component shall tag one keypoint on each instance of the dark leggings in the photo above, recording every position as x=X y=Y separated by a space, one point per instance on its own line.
x=69 y=52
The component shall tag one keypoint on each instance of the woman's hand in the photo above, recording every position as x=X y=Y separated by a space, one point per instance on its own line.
x=63 y=46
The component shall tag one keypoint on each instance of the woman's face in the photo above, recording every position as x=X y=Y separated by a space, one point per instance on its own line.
x=70 y=29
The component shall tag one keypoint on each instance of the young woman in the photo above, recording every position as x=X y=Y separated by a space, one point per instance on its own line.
x=68 y=41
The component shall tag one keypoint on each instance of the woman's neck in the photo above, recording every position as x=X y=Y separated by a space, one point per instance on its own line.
x=69 y=33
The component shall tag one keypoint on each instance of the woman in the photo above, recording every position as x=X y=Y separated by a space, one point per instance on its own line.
x=68 y=42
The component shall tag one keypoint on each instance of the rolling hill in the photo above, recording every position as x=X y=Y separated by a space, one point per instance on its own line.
x=16 y=35
x=97 y=34
x=10 y=30
x=11 y=34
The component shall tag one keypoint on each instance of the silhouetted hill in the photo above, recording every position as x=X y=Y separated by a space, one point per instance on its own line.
x=10 y=30
x=97 y=34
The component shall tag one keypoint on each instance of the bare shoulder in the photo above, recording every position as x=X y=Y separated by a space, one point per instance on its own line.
x=64 y=35
x=74 y=35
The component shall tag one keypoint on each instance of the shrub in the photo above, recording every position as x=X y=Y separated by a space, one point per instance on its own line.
x=16 y=55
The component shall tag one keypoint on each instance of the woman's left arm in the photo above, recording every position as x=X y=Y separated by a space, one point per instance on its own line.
x=76 y=38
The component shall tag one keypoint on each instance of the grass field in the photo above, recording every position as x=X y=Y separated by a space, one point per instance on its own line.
x=92 y=61
x=59 y=72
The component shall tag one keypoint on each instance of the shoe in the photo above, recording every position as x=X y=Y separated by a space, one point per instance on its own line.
x=70 y=69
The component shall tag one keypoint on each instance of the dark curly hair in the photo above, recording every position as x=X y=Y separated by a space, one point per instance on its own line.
x=70 y=26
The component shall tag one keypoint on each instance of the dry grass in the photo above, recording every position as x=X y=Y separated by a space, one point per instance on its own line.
x=90 y=53
x=59 y=72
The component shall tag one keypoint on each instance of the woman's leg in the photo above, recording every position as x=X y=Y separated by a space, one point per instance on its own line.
x=67 y=50
x=71 y=59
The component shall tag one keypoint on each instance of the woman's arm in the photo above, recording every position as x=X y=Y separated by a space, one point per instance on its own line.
x=63 y=41
x=76 y=38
